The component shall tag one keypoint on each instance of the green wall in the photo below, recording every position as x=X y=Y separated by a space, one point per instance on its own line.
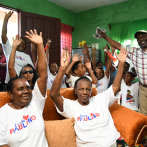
x=43 y=7
x=87 y=21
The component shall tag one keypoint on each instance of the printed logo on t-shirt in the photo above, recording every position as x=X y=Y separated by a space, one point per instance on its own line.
x=86 y=117
x=99 y=85
x=19 y=57
x=129 y=97
x=23 y=124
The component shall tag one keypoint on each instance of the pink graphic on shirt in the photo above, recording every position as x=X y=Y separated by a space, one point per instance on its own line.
x=23 y=124
x=19 y=57
x=86 y=117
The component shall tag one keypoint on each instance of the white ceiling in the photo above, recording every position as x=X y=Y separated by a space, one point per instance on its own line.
x=82 y=5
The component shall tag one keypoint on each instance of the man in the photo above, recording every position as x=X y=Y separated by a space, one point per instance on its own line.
x=21 y=59
x=139 y=60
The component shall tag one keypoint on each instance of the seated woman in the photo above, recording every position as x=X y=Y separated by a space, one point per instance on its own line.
x=28 y=71
x=94 y=125
x=21 y=122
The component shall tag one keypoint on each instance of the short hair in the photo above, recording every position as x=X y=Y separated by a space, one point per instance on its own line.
x=98 y=63
x=34 y=72
x=81 y=78
x=10 y=84
x=75 y=66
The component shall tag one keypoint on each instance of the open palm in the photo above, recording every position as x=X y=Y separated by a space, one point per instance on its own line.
x=64 y=59
x=122 y=55
x=17 y=41
x=34 y=37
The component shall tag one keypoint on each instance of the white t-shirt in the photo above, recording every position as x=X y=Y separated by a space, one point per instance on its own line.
x=24 y=127
x=94 y=125
x=51 y=79
x=103 y=84
x=73 y=79
x=21 y=59
x=130 y=95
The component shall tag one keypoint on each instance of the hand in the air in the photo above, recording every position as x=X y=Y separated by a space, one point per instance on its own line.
x=17 y=41
x=64 y=59
x=8 y=15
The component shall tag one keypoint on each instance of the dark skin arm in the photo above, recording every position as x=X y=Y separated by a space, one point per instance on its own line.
x=5 y=145
x=117 y=81
x=113 y=43
x=11 y=63
x=94 y=63
x=55 y=90
x=42 y=62
x=4 y=28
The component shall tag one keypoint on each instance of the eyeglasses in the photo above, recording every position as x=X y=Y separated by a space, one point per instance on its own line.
x=25 y=71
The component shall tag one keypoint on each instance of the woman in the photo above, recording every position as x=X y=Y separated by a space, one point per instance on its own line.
x=94 y=125
x=21 y=122
x=28 y=71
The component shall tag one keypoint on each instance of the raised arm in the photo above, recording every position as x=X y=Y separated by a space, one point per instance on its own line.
x=75 y=58
x=117 y=81
x=42 y=62
x=113 y=43
x=85 y=55
x=4 y=28
x=55 y=90
x=34 y=56
x=86 y=47
x=16 y=43
x=47 y=50
x=94 y=63
x=88 y=67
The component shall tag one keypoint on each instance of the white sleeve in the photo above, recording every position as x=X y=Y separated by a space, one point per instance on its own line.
x=108 y=96
x=30 y=61
x=2 y=130
x=67 y=108
x=7 y=48
x=38 y=97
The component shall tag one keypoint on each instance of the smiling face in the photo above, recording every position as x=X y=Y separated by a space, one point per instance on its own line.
x=83 y=91
x=21 y=93
x=99 y=73
x=142 y=41
x=128 y=78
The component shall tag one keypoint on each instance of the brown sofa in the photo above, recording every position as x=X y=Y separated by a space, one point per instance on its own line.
x=129 y=123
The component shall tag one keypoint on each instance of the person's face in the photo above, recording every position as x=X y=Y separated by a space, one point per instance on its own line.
x=81 y=70
x=128 y=78
x=27 y=73
x=99 y=73
x=1 y=49
x=53 y=68
x=126 y=68
x=83 y=91
x=21 y=93
x=21 y=47
x=142 y=40
x=100 y=65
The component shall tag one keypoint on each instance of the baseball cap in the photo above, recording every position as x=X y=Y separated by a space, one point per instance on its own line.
x=140 y=32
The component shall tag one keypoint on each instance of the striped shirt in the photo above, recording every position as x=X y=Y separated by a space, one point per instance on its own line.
x=139 y=60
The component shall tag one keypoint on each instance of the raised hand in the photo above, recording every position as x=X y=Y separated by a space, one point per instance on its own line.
x=17 y=41
x=102 y=34
x=48 y=42
x=86 y=47
x=88 y=64
x=34 y=37
x=84 y=51
x=75 y=58
x=8 y=15
x=122 y=55
x=64 y=59
x=94 y=50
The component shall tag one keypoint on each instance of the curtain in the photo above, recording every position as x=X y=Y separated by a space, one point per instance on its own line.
x=124 y=31
x=66 y=37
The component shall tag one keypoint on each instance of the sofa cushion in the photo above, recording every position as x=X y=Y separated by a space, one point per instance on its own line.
x=127 y=122
x=60 y=133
